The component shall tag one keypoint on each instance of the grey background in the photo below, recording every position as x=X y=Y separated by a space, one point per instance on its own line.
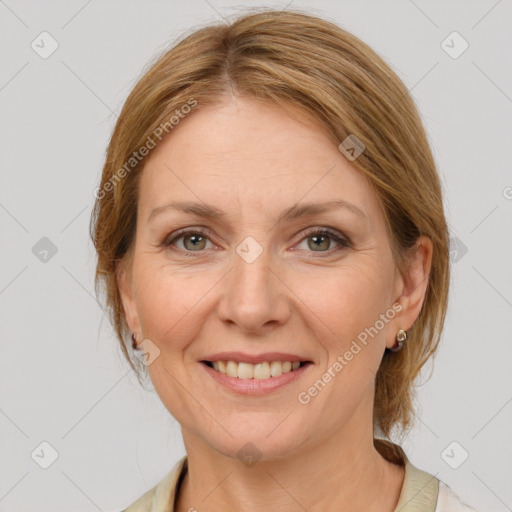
x=62 y=378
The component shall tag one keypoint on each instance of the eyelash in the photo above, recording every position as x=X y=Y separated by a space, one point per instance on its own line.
x=343 y=242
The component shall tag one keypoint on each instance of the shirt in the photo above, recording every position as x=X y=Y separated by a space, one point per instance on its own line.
x=421 y=491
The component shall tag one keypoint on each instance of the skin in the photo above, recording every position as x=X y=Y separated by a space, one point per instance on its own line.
x=254 y=160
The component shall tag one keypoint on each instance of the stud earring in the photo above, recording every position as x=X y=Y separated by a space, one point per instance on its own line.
x=401 y=336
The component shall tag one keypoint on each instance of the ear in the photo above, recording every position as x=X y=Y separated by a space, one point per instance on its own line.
x=411 y=287
x=124 y=283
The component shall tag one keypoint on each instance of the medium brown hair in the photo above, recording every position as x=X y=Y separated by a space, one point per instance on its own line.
x=290 y=57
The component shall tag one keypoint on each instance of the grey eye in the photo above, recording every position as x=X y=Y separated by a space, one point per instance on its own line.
x=319 y=242
x=196 y=241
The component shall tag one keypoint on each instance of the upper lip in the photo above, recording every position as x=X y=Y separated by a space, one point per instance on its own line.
x=241 y=357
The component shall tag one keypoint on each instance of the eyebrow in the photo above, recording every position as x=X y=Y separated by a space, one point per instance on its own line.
x=206 y=211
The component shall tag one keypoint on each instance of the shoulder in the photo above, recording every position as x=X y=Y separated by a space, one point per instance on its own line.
x=161 y=497
x=449 y=501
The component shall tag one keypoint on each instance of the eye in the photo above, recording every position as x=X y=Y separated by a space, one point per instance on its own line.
x=196 y=240
x=193 y=240
x=320 y=239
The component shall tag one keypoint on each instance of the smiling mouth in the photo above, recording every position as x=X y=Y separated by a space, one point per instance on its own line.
x=263 y=370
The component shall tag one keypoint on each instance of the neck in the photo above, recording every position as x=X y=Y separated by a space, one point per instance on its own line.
x=344 y=472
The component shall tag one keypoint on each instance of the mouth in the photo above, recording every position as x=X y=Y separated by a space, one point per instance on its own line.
x=263 y=370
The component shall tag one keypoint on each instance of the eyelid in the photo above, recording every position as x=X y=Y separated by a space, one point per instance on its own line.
x=187 y=231
x=337 y=236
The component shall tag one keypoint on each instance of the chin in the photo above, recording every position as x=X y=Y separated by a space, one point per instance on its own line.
x=257 y=440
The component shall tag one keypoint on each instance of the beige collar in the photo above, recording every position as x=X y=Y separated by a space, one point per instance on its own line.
x=419 y=491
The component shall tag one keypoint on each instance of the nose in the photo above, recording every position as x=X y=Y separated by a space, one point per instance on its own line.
x=254 y=296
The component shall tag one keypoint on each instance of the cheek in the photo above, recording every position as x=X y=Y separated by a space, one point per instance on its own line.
x=357 y=299
x=357 y=296
x=171 y=307
x=171 y=304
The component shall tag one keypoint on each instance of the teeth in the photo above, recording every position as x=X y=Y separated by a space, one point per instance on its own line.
x=231 y=369
x=276 y=368
x=245 y=371
x=263 y=370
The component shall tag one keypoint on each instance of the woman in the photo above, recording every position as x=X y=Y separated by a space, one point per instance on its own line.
x=270 y=230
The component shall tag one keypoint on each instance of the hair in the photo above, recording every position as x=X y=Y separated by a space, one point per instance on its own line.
x=291 y=58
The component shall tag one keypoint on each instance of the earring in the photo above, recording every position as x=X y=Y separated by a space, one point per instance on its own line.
x=401 y=336
x=134 y=342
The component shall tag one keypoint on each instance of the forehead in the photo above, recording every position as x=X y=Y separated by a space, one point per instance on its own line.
x=248 y=153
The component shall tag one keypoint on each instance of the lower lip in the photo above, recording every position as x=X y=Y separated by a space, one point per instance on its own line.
x=255 y=386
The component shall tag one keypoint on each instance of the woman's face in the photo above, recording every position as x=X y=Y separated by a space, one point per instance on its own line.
x=252 y=280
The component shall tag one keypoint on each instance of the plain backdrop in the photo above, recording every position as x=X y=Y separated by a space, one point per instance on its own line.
x=62 y=378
